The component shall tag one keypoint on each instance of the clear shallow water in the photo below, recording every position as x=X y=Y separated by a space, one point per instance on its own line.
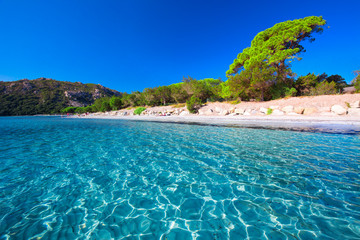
x=113 y=179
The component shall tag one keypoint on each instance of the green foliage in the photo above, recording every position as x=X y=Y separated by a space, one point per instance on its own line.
x=304 y=83
x=178 y=93
x=324 y=88
x=320 y=84
x=97 y=104
x=269 y=111
x=193 y=104
x=263 y=68
x=282 y=89
x=225 y=91
x=235 y=102
x=80 y=110
x=69 y=110
x=115 y=103
x=163 y=94
x=276 y=45
x=356 y=80
x=90 y=109
x=290 y=92
x=339 y=81
x=46 y=96
x=202 y=89
x=105 y=106
x=139 y=110
x=205 y=89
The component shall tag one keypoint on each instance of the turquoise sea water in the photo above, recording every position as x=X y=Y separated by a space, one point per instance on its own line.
x=117 y=179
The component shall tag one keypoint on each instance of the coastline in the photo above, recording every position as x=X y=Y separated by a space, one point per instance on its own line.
x=338 y=124
x=325 y=113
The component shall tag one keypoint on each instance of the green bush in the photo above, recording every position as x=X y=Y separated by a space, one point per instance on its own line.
x=290 y=92
x=323 y=88
x=269 y=111
x=69 y=110
x=89 y=109
x=193 y=104
x=105 y=106
x=139 y=110
x=115 y=103
x=80 y=110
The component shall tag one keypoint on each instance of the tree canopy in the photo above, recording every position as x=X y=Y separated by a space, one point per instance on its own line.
x=277 y=44
x=356 y=80
x=262 y=71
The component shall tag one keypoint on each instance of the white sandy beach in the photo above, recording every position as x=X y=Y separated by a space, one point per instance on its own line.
x=299 y=123
x=317 y=114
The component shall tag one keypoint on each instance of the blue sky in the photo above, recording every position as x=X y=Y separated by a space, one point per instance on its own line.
x=131 y=45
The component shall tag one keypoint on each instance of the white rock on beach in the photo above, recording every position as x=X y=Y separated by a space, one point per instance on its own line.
x=339 y=110
x=355 y=104
x=209 y=111
x=309 y=110
x=263 y=110
x=253 y=112
x=184 y=113
x=218 y=110
x=224 y=113
x=299 y=110
x=239 y=111
x=274 y=107
x=288 y=109
x=201 y=112
x=277 y=112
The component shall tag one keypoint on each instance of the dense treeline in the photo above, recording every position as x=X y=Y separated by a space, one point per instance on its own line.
x=356 y=80
x=195 y=92
x=189 y=90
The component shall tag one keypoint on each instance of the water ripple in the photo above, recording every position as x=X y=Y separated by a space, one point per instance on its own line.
x=106 y=179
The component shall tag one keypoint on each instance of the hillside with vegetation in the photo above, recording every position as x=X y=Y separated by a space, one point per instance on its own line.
x=47 y=96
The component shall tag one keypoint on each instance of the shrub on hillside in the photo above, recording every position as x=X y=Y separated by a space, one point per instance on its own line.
x=105 y=106
x=139 y=110
x=69 y=110
x=356 y=81
x=290 y=92
x=324 y=88
x=193 y=104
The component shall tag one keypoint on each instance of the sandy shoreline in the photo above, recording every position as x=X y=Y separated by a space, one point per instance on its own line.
x=326 y=113
x=347 y=125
